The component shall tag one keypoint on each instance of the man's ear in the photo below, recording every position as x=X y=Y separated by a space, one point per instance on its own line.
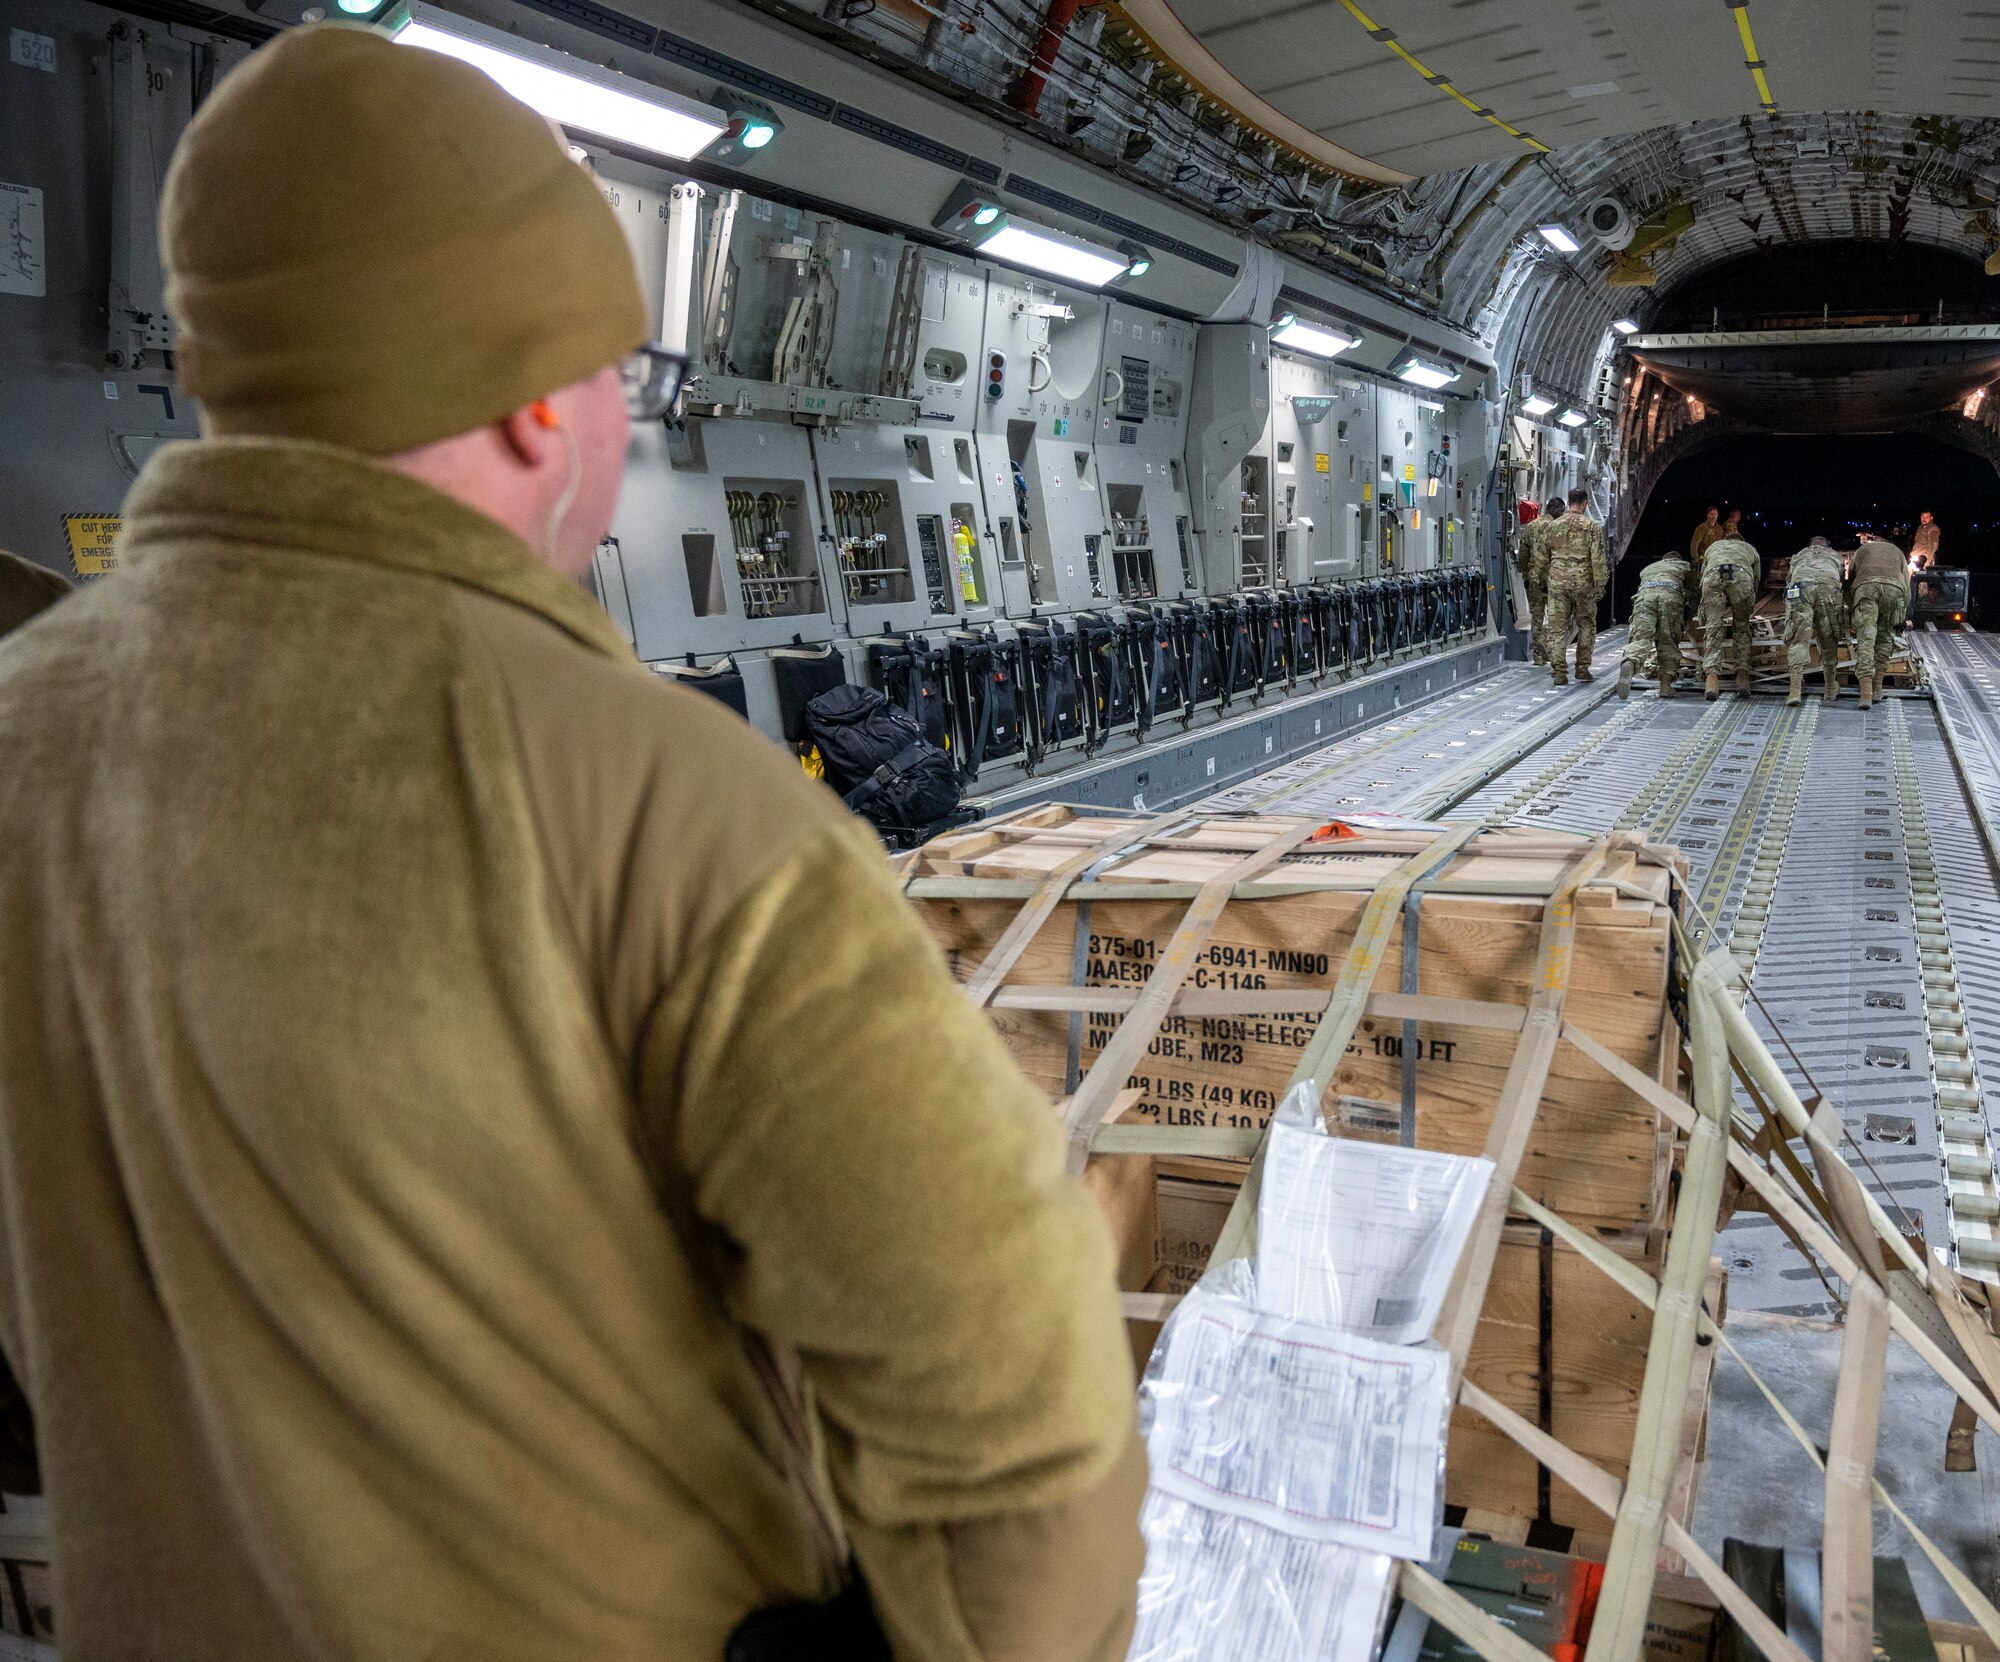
x=527 y=433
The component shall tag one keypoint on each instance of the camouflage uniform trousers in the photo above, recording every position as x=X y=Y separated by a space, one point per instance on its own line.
x=1653 y=643
x=1726 y=601
x=1538 y=602
x=1571 y=599
x=1879 y=607
x=1814 y=613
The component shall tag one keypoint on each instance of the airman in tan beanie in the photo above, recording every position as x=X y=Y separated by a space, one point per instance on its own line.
x=375 y=247
x=494 y=1167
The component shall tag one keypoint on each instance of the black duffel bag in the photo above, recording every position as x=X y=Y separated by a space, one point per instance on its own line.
x=879 y=761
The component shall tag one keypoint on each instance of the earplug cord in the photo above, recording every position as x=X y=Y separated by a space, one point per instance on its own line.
x=547 y=419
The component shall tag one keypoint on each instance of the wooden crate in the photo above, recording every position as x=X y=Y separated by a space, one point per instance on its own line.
x=1596 y=1152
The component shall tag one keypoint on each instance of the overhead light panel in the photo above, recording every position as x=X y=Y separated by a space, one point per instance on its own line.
x=1420 y=373
x=1289 y=332
x=1625 y=326
x=1558 y=237
x=569 y=91
x=983 y=220
x=1537 y=406
x=1572 y=418
x=1051 y=253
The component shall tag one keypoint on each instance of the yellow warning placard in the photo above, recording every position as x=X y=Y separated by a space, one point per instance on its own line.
x=92 y=542
x=1409 y=473
x=1367 y=492
x=1322 y=462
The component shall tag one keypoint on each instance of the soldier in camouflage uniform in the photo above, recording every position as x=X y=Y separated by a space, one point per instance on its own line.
x=1813 y=612
x=1668 y=592
x=1527 y=558
x=1881 y=601
x=1575 y=571
x=1730 y=570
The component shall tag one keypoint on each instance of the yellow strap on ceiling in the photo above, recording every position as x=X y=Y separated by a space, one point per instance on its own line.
x=1388 y=38
x=1751 y=61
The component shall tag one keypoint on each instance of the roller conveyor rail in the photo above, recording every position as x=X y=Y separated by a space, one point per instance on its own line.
x=1829 y=847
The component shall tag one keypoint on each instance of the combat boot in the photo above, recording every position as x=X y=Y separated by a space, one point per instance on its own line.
x=1713 y=689
x=1556 y=676
x=1743 y=683
x=1796 y=692
x=1831 y=690
x=1625 y=679
x=1865 y=686
x=1583 y=670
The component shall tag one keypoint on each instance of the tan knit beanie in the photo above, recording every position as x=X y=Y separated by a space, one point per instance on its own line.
x=374 y=246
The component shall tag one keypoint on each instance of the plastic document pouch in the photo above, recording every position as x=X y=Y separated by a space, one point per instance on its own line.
x=1309 y=1430
x=1219 y=1588
x=1361 y=1236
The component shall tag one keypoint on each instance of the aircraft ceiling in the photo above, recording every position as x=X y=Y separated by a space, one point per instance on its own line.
x=1417 y=145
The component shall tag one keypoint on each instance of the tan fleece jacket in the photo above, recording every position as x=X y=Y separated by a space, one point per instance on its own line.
x=470 y=1114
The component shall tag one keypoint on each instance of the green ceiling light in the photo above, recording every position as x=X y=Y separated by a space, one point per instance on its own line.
x=970 y=212
x=359 y=8
x=753 y=125
x=1138 y=261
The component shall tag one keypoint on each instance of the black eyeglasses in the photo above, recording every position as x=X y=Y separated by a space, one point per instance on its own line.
x=652 y=378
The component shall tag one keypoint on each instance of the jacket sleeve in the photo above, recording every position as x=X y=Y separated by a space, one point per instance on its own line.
x=1600 y=562
x=893 y=1202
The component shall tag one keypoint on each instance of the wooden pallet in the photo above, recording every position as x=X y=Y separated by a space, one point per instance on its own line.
x=1768 y=660
x=1745 y=1136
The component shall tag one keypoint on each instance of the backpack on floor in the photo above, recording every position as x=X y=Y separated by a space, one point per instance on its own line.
x=879 y=761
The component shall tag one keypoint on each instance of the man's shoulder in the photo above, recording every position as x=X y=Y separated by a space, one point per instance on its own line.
x=658 y=809
x=612 y=718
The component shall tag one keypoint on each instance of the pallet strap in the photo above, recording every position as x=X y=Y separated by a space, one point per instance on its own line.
x=1115 y=1061
x=1464 y=1619
x=1545 y=1361
x=1337 y=1022
x=1974 y=1600
x=1027 y=924
x=1079 y=974
x=1520 y=1096
x=1603 y=1491
x=1412 y=932
x=1626 y=1598
x=1809 y=1229
x=1847 y=1561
